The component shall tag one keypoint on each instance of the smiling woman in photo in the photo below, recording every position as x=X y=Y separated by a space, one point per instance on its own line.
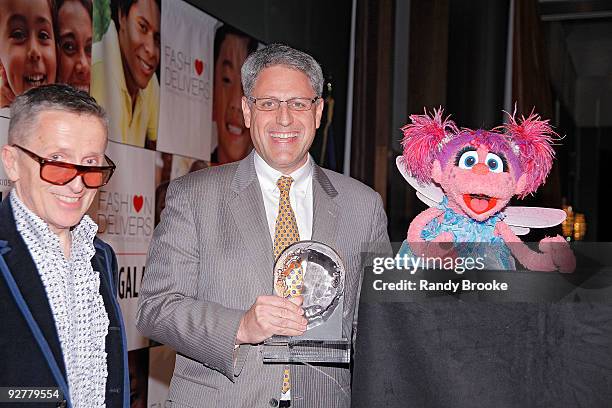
x=74 y=43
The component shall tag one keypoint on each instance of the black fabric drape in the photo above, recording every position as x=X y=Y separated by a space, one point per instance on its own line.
x=467 y=355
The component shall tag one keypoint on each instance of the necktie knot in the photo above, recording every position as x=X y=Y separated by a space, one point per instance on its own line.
x=284 y=183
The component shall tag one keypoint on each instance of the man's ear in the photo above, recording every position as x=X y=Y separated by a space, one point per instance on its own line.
x=521 y=183
x=436 y=171
x=319 y=112
x=246 y=112
x=10 y=162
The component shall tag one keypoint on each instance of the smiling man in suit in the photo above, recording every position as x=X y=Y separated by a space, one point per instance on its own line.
x=208 y=290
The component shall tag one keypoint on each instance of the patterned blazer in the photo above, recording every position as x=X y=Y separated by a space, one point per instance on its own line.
x=211 y=256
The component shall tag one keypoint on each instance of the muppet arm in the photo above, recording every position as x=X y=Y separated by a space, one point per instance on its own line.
x=418 y=244
x=556 y=254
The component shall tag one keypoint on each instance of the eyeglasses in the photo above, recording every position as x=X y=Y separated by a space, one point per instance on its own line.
x=272 y=104
x=62 y=173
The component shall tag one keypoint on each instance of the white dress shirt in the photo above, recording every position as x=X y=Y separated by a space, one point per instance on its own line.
x=300 y=195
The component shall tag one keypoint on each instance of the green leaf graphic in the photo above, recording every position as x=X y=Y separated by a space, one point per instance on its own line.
x=101 y=18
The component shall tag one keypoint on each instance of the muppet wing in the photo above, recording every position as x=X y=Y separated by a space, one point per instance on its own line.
x=533 y=217
x=426 y=200
x=519 y=230
x=429 y=193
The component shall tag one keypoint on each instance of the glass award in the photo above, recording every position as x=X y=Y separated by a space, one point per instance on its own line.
x=316 y=272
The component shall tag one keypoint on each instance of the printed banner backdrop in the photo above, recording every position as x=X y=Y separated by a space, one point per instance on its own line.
x=124 y=211
x=158 y=97
x=186 y=80
x=5 y=184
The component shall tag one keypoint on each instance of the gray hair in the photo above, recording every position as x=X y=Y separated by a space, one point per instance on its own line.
x=280 y=54
x=53 y=97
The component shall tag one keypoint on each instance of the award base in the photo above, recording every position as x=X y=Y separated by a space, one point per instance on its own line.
x=280 y=349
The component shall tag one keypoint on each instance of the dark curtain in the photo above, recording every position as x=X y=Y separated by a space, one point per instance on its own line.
x=531 y=86
x=372 y=93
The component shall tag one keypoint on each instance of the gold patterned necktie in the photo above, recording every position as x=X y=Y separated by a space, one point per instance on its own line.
x=286 y=230
x=286 y=233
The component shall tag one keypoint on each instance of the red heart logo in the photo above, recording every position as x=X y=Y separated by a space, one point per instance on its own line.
x=138 y=201
x=199 y=66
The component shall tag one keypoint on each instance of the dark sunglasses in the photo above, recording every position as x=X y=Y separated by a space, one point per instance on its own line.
x=61 y=173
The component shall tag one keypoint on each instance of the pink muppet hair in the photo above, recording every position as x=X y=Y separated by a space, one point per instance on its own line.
x=527 y=144
x=423 y=140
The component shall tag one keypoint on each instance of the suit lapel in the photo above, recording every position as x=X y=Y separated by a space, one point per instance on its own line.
x=325 y=209
x=24 y=271
x=249 y=213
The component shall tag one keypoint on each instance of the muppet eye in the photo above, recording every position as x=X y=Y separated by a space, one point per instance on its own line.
x=494 y=163
x=468 y=160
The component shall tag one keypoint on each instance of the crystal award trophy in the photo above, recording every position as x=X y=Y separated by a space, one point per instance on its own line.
x=316 y=272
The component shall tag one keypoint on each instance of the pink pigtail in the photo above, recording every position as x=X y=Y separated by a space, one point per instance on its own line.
x=534 y=138
x=422 y=141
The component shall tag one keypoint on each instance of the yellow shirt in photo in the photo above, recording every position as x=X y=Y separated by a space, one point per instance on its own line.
x=109 y=89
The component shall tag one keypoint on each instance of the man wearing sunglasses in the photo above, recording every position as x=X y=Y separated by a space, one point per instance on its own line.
x=62 y=327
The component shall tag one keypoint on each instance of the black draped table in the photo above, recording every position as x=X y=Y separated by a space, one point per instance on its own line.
x=546 y=342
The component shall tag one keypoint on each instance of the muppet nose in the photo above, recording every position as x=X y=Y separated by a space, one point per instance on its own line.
x=480 y=168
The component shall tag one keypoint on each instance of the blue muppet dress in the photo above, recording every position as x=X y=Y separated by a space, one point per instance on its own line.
x=472 y=238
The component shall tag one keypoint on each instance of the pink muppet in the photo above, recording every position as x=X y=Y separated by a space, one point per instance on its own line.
x=469 y=176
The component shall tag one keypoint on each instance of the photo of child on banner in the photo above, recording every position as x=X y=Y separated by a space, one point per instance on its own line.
x=231 y=138
x=31 y=54
x=126 y=56
x=27 y=47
